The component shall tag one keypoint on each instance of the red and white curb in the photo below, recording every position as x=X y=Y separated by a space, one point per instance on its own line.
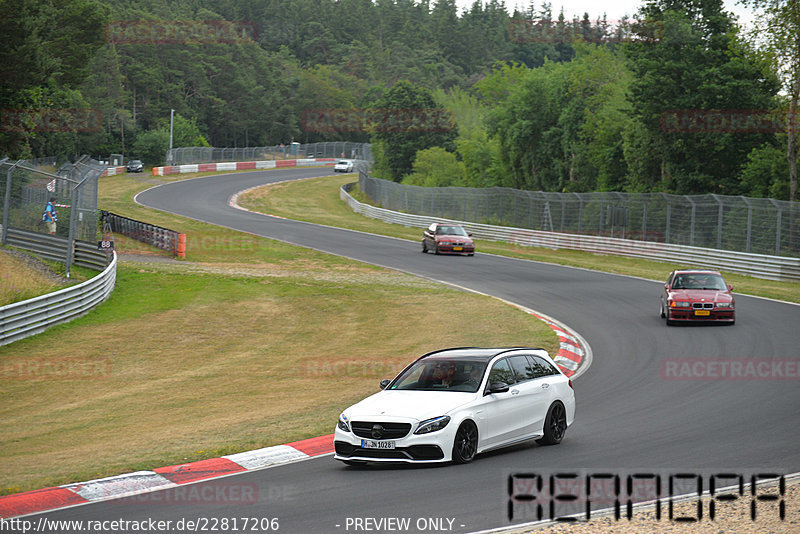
x=574 y=354
x=571 y=353
x=129 y=484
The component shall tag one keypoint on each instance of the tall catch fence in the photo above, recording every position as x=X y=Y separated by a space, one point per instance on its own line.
x=27 y=186
x=339 y=149
x=754 y=225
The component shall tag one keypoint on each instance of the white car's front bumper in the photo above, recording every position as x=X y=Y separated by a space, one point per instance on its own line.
x=432 y=447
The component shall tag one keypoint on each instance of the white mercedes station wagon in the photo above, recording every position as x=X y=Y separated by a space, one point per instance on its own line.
x=451 y=404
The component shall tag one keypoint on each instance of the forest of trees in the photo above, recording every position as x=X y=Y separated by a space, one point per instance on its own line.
x=677 y=99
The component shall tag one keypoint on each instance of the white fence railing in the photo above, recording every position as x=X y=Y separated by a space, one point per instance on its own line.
x=761 y=266
x=30 y=317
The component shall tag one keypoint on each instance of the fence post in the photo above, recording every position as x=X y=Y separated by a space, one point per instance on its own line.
x=719 y=220
x=644 y=220
x=749 y=221
x=778 y=223
x=601 y=228
x=73 y=221
x=7 y=200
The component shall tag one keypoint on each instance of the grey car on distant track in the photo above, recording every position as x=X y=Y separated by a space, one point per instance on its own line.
x=135 y=165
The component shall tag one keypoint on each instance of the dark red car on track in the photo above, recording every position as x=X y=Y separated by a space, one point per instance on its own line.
x=694 y=295
x=444 y=238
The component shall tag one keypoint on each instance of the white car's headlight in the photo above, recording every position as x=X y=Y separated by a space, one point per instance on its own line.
x=344 y=423
x=432 y=425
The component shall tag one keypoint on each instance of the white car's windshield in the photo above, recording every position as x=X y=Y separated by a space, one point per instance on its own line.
x=438 y=374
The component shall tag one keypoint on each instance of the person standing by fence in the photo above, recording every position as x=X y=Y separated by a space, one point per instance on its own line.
x=50 y=216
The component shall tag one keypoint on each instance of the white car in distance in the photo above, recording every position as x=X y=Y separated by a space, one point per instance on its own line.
x=344 y=165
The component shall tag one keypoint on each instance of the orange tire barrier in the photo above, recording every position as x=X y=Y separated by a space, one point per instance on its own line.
x=182 y=246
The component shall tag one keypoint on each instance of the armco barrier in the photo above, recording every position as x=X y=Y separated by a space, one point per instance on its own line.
x=753 y=225
x=24 y=319
x=162 y=238
x=54 y=248
x=242 y=165
x=761 y=266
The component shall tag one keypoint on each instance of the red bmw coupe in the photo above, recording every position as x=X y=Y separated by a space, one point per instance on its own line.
x=697 y=295
x=447 y=239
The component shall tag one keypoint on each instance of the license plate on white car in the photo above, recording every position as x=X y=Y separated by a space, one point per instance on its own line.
x=375 y=444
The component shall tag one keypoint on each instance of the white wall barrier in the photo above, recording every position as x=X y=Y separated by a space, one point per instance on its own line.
x=242 y=165
x=113 y=171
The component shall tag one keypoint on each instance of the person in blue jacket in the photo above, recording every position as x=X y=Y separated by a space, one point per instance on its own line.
x=50 y=216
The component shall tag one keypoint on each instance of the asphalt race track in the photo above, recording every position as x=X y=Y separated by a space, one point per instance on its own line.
x=632 y=416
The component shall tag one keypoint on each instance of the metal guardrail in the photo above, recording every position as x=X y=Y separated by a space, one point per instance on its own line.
x=30 y=317
x=55 y=248
x=751 y=225
x=761 y=266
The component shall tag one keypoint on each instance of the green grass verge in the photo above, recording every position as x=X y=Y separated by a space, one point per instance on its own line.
x=23 y=276
x=19 y=281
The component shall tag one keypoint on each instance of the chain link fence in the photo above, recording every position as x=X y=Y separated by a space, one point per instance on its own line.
x=339 y=149
x=755 y=225
x=27 y=186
